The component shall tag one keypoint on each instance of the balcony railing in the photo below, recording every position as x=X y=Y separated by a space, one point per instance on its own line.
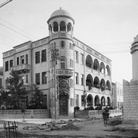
x=60 y=34
x=24 y=68
x=64 y=72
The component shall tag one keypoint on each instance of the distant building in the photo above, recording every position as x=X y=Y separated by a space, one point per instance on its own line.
x=79 y=70
x=1 y=77
x=117 y=95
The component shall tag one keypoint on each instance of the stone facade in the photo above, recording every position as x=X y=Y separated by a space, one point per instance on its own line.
x=130 y=100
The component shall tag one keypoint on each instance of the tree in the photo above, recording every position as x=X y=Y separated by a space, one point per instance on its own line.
x=16 y=89
x=37 y=98
x=4 y=97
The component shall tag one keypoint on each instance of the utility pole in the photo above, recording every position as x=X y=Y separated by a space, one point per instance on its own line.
x=55 y=57
x=4 y=3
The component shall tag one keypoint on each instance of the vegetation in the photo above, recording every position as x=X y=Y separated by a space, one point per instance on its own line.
x=16 y=90
x=36 y=101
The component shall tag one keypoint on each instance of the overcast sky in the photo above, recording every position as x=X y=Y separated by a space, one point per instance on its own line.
x=108 y=26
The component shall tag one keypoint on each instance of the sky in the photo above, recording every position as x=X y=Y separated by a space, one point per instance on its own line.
x=108 y=26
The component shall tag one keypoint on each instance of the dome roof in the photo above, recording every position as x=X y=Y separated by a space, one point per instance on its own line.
x=60 y=12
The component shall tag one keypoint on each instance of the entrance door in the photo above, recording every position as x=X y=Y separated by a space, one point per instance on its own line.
x=63 y=105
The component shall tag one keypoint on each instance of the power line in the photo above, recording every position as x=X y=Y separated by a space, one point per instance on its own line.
x=13 y=30
x=4 y=3
x=18 y=28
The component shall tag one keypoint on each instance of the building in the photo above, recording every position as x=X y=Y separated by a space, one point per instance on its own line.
x=63 y=67
x=117 y=95
x=131 y=88
x=1 y=77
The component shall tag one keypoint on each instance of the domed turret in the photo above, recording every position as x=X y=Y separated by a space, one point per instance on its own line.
x=60 y=13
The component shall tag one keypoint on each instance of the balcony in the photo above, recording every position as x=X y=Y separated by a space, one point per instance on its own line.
x=60 y=35
x=24 y=68
x=64 y=72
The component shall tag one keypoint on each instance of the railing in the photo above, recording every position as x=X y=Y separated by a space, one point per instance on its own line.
x=21 y=67
x=60 y=34
x=64 y=72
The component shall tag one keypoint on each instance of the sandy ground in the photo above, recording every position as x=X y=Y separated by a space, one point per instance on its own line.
x=88 y=129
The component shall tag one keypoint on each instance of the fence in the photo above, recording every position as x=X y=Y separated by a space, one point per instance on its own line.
x=96 y=113
x=29 y=113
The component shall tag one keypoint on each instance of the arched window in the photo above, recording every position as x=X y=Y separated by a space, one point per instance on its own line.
x=96 y=82
x=97 y=100
x=108 y=72
x=103 y=101
x=62 y=62
x=96 y=65
x=89 y=81
x=89 y=61
x=102 y=67
x=89 y=100
x=102 y=84
x=62 y=44
x=62 y=26
x=55 y=27
x=69 y=27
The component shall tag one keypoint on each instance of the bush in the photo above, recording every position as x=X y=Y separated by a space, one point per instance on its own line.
x=77 y=108
x=89 y=108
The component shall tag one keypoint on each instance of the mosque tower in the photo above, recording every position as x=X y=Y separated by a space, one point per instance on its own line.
x=60 y=26
x=134 y=52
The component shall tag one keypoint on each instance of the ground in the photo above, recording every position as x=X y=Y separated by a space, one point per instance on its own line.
x=73 y=129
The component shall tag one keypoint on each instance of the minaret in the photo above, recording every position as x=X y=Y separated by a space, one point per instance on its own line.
x=61 y=26
x=134 y=52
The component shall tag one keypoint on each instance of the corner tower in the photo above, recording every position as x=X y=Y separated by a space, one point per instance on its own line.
x=134 y=52
x=61 y=26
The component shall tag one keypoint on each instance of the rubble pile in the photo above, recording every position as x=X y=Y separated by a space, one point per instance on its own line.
x=53 y=125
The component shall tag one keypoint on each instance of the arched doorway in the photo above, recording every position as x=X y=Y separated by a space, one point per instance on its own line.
x=63 y=104
x=89 y=100
x=96 y=100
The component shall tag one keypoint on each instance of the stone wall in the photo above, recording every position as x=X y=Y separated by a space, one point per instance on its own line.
x=16 y=114
x=130 y=100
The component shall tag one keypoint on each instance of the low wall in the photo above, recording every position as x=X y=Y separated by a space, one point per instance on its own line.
x=29 y=113
x=96 y=113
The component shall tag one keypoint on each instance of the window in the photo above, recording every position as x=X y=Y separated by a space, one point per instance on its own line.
x=26 y=58
x=26 y=78
x=82 y=79
x=22 y=59
x=17 y=60
x=44 y=78
x=62 y=44
x=43 y=56
x=62 y=63
x=62 y=26
x=37 y=78
x=77 y=100
x=11 y=63
x=6 y=66
x=77 y=78
x=76 y=56
x=37 y=57
x=71 y=63
x=55 y=26
x=82 y=59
